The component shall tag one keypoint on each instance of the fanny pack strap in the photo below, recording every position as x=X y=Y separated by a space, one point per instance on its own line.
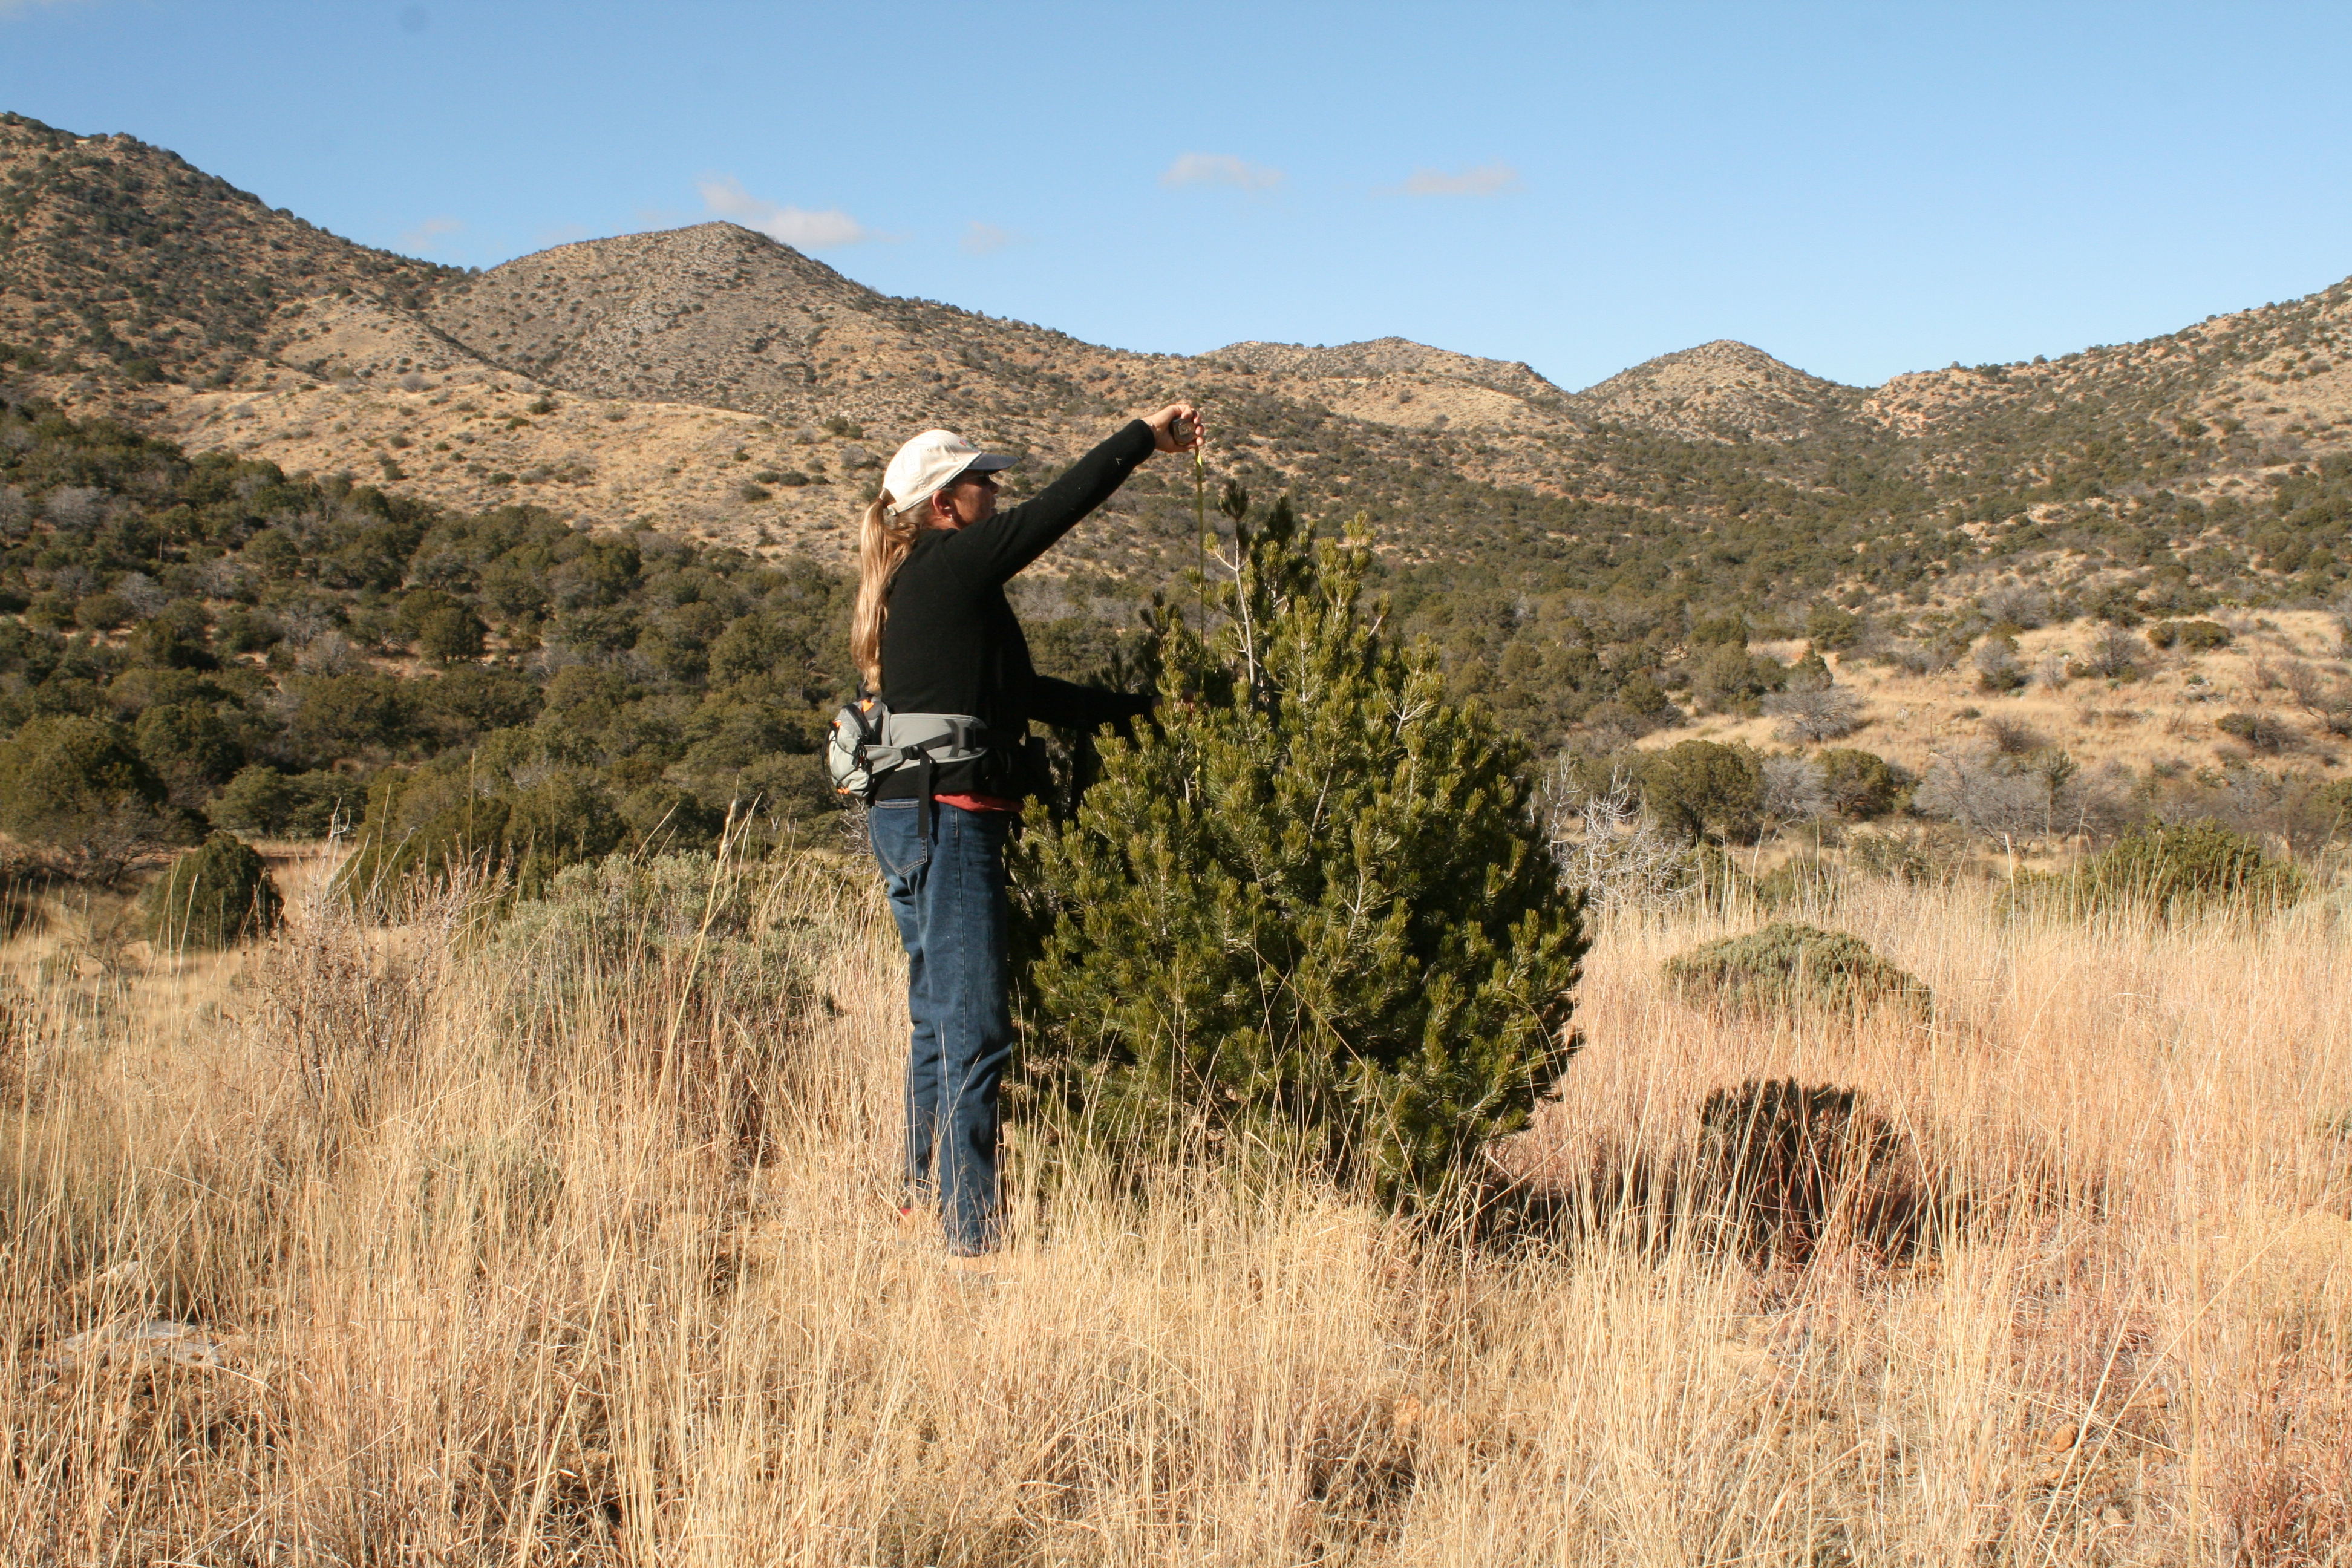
x=926 y=743
x=942 y=739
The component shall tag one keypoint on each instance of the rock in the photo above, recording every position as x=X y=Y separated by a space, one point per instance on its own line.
x=135 y=1346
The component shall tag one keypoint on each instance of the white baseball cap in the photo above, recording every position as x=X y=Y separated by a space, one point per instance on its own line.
x=932 y=461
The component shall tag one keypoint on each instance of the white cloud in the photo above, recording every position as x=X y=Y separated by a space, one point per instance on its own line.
x=795 y=227
x=426 y=235
x=983 y=238
x=1485 y=180
x=1219 y=169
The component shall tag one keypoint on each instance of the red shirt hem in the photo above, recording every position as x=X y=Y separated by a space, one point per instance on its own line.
x=978 y=802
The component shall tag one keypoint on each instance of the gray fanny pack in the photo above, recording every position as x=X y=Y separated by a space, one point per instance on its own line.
x=869 y=742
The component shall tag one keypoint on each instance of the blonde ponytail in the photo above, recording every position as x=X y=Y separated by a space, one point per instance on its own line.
x=884 y=536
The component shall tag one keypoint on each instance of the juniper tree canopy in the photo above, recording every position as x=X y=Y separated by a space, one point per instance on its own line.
x=1309 y=910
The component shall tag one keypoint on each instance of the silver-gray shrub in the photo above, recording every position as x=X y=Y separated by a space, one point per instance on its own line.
x=1818 y=713
x=75 y=507
x=1609 y=849
x=143 y=593
x=2043 y=795
x=1997 y=666
x=1794 y=789
x=1985 y=796
x=2017 y=604
x=2116 y=655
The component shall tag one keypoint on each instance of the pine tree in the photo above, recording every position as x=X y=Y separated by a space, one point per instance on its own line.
x=1309 y=912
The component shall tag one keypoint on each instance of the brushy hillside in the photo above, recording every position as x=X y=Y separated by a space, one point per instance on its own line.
x=1584 y=561
x=694 y=362
x=280 y=651
x=589 y=513
x=268 y=644
x=113 y=248
x=355 y=1248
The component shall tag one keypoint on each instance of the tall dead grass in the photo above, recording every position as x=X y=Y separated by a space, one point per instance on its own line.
x=341 y=1253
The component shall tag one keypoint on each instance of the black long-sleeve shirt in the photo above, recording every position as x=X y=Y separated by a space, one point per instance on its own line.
x=951 y=643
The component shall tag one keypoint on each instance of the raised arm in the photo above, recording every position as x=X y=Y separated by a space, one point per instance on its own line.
x=1001 y=546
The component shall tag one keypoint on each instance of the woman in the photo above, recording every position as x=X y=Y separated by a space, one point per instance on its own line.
x=932 y=633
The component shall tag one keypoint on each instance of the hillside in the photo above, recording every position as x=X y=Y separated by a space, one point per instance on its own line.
x=711 y=382
x=123 y=251
x=720 y=388
x=1718 y=391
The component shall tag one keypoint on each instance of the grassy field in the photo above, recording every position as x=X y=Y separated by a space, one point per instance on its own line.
x=354 y=1248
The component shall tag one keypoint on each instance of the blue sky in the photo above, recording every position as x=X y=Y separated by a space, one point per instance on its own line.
x=1860 y=189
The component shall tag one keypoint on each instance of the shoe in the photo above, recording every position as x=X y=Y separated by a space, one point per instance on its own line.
x=998 y=1265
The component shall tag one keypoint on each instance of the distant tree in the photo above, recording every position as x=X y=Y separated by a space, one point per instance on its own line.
x=274 y=552
x=77 y=786
x=1704 y=790
x=2118 y=605
x=2264 y=732
x=468 y=700
x=243 y=629
x=423 y=824
x=1831 y=629
x=1643 y=696
x=1998 y=669
x=1861 y=785
x=1729 y=680
x=2171 y=873
x=104 y=612
x=451 y=634
x=189 y=747
x=262 y=801
x=175 y=639
x=2190 y=637
x=337 y=716
x=2114 y=656
x=1723 y=631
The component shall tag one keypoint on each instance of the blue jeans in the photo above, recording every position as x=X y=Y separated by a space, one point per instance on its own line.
x=946 y=892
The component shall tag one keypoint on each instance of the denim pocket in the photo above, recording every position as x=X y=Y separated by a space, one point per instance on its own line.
x=900 y=847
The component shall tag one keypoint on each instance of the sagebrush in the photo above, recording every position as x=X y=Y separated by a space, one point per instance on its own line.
x=1787 y=965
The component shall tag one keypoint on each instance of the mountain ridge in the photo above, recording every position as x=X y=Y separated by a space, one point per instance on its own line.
x=711 y=380
x=1720 y=389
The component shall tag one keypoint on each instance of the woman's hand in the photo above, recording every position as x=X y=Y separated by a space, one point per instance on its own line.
x=1164 y=435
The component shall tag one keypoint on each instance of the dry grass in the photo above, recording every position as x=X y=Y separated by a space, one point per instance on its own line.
x=466 y=1287
x=670 y=462
x=2168 y=715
